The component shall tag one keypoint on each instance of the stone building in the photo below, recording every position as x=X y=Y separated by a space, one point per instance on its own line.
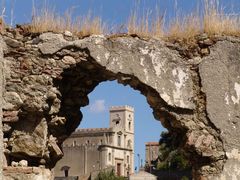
x=90 y=150
x=151 y=152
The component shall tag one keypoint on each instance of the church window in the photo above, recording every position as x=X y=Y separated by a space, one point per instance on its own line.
x=109 y=156
x=74 y=143
x=129 y=144
x=88 y=141
x=129 y=125
x=128 y=159
x=117 y=122
x=101 y=141
x=119 y=140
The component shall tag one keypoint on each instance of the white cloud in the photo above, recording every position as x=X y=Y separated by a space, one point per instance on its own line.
x=97 y=106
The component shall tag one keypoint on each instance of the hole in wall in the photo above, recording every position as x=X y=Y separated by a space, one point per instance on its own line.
x=96 y=115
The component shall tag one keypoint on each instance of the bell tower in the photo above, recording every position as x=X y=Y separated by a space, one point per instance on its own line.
x=122 y=121
x=122 y=117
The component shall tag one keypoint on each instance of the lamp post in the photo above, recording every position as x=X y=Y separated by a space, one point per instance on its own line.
x=138 y=162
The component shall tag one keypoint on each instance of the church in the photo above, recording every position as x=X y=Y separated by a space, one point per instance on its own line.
x=89 y=151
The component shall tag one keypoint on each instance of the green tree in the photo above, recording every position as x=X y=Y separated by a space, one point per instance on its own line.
x=169 y=154
x=108 y=175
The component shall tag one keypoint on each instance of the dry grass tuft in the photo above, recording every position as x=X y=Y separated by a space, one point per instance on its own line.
x=47 y=20
x=185 y=28
x=2 y=25
x=216 y=22
x=212 y=21
x=146 y=25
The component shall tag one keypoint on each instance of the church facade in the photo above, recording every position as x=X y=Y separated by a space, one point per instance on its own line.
x=91 y=150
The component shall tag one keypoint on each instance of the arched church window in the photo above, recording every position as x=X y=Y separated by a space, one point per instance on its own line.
x=129 y=144
x=119 y=140
x=127 y=159
x=129 y=125
x=109 y=156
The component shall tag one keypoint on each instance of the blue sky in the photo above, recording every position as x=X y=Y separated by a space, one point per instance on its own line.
x=114 y=12
x=111 y=93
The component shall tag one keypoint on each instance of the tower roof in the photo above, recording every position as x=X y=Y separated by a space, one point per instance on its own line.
x=152 y=143
x=121 y=108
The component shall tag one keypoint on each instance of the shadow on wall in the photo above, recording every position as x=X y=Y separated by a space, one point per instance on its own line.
x=173 y=174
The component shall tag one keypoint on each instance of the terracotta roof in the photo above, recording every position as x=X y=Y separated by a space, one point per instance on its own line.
x=92 y=130
x=152 y=143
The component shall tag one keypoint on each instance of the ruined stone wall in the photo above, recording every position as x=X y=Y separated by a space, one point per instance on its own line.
x=193 y=91
x=1 y=103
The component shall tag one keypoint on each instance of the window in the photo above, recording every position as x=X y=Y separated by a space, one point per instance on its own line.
x=129 y=144
x=129 y=125
x=101 y=141
x=128 y=159
x=119 y=140
x=65 y=169
x=117 y=122
x=74 y=143
x=109 y=156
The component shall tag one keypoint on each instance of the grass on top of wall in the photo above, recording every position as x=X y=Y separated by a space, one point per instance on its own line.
x=48 y=20
x=211 y=20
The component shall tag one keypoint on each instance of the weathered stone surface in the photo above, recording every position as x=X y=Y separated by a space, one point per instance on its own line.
x=10 y=116
x=220 y=75
x=68 y=33
x=153 y=63
x=6 y=128
x=23 y=163
x=196 y=98
x=27 y=173
x=53 y=147
x=51 y=43
x=14 y=99
x=220 y=78
x=13 y=42
x=2 y=85
x=31 y=144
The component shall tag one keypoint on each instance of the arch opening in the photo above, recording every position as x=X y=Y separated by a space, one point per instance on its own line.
x=88 y=74
x=96 y=124
x=77 y=82
x=64 y=73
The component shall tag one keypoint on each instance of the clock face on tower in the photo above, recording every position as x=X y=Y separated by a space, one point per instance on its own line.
x=116 y=119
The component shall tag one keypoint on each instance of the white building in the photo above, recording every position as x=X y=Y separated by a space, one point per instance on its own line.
x=89 y=150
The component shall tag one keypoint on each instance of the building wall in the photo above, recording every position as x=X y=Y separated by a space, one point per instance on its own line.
x=151 y=153
x=88 y=150
x=81 y=160
x=89 y=137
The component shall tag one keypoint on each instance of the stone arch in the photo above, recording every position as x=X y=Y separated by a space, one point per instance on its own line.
x=48 y=84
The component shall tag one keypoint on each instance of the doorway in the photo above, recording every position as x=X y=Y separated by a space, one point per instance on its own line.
x=118 y=169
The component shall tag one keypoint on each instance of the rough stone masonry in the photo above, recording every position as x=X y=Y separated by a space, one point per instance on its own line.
x=194 y=92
